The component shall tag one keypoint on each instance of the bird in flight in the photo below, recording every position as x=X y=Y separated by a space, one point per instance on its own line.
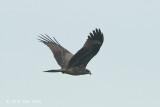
x=74 y=64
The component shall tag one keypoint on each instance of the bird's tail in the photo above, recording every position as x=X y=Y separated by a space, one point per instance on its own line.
x=53 y=71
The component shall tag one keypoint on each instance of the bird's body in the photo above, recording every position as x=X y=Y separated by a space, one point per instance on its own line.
x=75 y=71
x=74 y=64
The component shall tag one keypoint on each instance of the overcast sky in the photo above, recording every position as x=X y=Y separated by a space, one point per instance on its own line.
x=125 y=72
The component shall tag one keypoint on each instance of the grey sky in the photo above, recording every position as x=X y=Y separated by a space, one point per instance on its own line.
x=125 y=73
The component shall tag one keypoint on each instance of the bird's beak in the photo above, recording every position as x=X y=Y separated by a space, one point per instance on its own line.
x=90 y=73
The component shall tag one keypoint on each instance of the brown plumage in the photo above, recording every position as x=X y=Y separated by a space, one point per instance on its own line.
x=74 y=64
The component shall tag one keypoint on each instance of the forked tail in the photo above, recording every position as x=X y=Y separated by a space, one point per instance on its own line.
x=53 y=71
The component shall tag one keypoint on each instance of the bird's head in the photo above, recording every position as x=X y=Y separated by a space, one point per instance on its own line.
x=87 y=71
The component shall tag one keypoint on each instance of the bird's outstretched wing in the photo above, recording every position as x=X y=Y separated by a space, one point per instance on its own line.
x=88 y=51
x=61 y=54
